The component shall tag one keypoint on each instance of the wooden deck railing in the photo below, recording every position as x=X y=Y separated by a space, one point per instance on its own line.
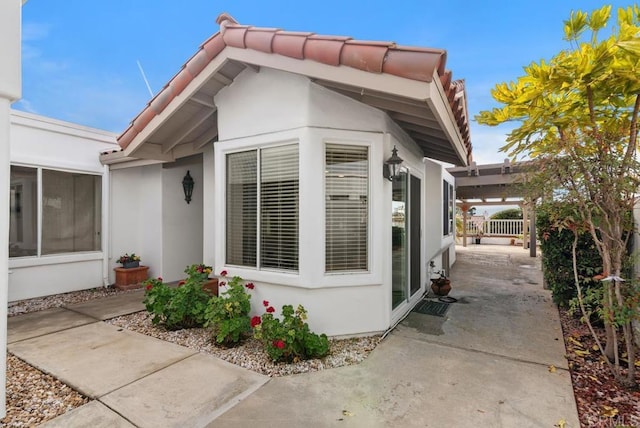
x=508 y=228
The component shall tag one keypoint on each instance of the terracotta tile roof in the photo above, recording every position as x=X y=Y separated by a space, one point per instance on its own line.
x=413 y=63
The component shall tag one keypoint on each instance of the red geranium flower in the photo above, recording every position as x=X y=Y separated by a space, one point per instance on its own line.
x=270 y=309
x=149 y=287
x=256 y=321
x=265 y=303
x=278 y=344
x=159 y=278
x=222 y=284
x=181 y=283
x=250 y=286
x=223 y=273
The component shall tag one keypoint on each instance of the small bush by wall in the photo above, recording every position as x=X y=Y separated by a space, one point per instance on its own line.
x=557 y=261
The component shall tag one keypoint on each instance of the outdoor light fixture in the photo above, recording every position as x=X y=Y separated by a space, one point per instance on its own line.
x=187 y=187
x=392 y=165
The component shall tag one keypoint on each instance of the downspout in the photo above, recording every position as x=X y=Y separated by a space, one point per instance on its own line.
x=106 y=224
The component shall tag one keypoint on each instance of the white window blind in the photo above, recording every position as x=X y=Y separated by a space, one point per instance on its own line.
x=347 y=208
x=279 y=187
x=264 y=197
x=242 y=205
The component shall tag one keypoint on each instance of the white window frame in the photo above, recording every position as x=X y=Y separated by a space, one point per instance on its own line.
x=56 y=258
x=258 y=149
x=368 y=234
x=448 y=207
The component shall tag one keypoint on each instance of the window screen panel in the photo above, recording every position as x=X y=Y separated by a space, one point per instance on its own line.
x=71 y=212
x=241 y=210
x=23 y=212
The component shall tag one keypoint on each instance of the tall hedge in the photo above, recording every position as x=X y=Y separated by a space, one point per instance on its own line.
x=557 y=260
x=508 y=214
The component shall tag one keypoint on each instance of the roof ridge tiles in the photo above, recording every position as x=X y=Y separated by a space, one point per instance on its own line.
x=329 y=37
x=371 y=43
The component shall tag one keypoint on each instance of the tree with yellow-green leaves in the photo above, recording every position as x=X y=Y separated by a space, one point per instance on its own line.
x=577 y=120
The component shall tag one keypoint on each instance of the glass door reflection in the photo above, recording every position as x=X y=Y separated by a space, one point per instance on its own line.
x=399 y=240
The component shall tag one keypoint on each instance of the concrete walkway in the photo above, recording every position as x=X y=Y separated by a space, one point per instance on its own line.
x=134 y=379
x=484 y=364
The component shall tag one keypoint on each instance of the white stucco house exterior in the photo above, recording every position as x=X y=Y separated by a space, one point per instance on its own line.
x=286 y=136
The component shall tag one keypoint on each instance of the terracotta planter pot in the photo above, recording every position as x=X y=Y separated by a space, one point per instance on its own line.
x=441 y=286
x=211 y=286
x=127 y=279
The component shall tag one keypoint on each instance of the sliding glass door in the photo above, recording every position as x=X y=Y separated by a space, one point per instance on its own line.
x=405 y=238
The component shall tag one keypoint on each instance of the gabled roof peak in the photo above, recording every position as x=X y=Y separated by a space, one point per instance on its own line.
x=225 y=19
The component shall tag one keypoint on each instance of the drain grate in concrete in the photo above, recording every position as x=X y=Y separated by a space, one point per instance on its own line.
x=429 y=307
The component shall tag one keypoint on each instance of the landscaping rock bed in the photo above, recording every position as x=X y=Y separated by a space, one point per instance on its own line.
x=250 y=354
x=34 y=397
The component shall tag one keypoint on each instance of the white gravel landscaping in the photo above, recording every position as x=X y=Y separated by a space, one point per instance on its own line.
x=250 y=353
x=34 y=397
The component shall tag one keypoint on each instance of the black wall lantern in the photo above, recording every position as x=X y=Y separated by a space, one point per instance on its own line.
x=392 y=165
x=187 y=187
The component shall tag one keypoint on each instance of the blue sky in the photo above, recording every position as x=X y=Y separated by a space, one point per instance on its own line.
x=79 y=57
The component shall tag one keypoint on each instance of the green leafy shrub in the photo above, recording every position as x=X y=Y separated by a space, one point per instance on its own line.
x=198 y=271
x=555 y=245
x=176 y=307
x=592 y=304
x=289 y=339
x=228 y=313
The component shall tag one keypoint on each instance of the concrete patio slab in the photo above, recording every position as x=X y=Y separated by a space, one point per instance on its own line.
x=112 y=306
x=93 y=414
x=506 y=312
x=98 y=358
x=34 y=324
x=410 y=383
x=190 y=393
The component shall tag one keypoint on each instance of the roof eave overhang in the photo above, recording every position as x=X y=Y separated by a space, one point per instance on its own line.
x=117 y=160
x=430 y=94
x=134 y=147
x=440 y=107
